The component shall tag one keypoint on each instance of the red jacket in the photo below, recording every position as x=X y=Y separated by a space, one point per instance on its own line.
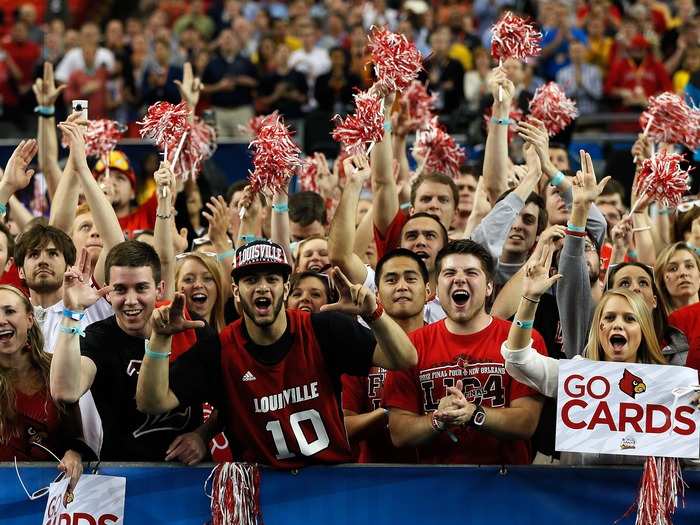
x=651 y=75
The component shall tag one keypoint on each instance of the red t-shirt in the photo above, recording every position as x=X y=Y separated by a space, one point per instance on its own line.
x=362 y=395
x=37 y=421
x=391 y=238
x=142 y=218
x=444 y=358
x=687 y=320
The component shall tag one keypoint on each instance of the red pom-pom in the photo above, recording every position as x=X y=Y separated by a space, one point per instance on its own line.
x=397 y=61
x=515 y=37
x=363 y=126
x=670 y=119
x=276 y=156
x=438 y=150
x=165 y=123
x=420 y=105
x=663 y=178
x=102 y=136
x=307 y=175
x=199 y=145
x=553 y=108
x=254 y=124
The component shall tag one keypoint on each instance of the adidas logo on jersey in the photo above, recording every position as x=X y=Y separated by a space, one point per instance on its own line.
x=248 y=376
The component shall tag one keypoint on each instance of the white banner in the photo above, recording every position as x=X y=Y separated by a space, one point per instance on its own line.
x=626 y=408
x=97 y=500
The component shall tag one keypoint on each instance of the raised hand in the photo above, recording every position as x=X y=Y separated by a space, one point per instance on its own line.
x=78 y=292
x=169 y=320
x=537 y=280
x=357 y=168
x=189 y=87
x=498 y=78
x=17 y=176
x=585 y=187
x=73 y=130
x=327 y=180
x=621 y=233
x=251 y=203
x=45 y=89
x=354 y=299
x=641 y=149
x=165 y=180
x=534 y=133
x=218 y=217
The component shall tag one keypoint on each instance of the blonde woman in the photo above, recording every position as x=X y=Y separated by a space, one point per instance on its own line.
x=199 y=276
x=30 y=421
x=677 y=275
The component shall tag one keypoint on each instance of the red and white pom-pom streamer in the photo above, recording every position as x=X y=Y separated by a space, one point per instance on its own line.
x=275 y=156
x=439 y=151
x=254 y=124
x=659 y=489
x=550 y=105
x=165 y=123
x=515 y=37
x=364 y=126
x=669 y=119
x=194 y=147
x=693 y=133
x=235 y=498
x=663 y=179
x=101 y=137
x=420 y=105
x=307 y=175
x=397 y=60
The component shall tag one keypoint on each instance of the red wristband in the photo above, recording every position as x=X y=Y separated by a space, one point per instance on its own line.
x=375 y=315
x=575 y=234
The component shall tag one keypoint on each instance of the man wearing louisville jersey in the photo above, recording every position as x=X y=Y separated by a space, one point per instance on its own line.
x=458 y=404
x=402 y=283
x=274 y=375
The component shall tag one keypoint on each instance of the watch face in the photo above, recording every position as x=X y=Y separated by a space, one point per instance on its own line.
x=479 y=418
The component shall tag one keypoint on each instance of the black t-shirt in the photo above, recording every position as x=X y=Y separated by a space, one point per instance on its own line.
x=129 y=435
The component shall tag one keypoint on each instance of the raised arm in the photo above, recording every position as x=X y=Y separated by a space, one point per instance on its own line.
x=16 y=175
x=279 y=223
x=163 y=238
x=46 y=93
x=496 y=150
x=249 y=225
x=218 y=216
x=386 y=199
x=65 y=201
x=341 y=237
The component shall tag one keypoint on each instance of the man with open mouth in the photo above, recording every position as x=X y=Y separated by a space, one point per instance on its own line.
x=459 y=405
x=274 y=375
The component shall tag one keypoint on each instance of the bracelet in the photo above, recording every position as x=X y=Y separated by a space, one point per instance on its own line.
x=438 y=426
x=3 y=209
x=152 y=354
x=531 y=300
x=248 y=238
x=557 y=179
x=224 y=255
x=694 y=248
x=632 y=254
x=579 y=229
x=280 y=208
x=72 y=314
x=665 y=211
x=387 y=126
x=164 y=217
x=375 y=315
x=575 y=234
x=525 y=325
x=502 y=121
x=72 y=330
x=405 y=206
x=641 y=229
x=45 y=111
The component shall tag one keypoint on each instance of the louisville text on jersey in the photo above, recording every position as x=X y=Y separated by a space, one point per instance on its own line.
x=288 y=396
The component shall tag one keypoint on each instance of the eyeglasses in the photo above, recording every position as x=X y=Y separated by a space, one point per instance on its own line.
x=39 y=493
x=687 y=206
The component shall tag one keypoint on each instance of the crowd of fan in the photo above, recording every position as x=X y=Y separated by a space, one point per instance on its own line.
x=304 y=58
x=391 y=286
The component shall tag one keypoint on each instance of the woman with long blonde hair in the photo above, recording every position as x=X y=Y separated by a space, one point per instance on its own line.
x=199 y=276
x=677 y=273
x=30 y=421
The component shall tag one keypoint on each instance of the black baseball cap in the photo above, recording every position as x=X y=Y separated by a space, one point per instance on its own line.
x=260 y=255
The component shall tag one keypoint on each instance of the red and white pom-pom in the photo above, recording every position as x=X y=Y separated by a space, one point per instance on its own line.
x=364 y=126
x=659 y=488
x=101 y=137
x=307 y=175
x=550 y=105
x=275 y=157
x=253 y=125
x=397 y=60
x=669 y=119
x=420 y=105
x=235 y=497
x=439 y=151
x=662 y=178
x=198 y=146
x=515 y=115
x=692 y=136
x=515 y=37
x=165 y=122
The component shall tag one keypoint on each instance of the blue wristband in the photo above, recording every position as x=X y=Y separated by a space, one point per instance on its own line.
x=632 y=254
x=502 y=121
x=665 y=211
x=280 y=208
x=248 y=238
x=71 y=314
x=72 y=330
x=557 y=179
x=3 y=209
x=694 y=248
x=578 y=229
x=405 y=206
x=223 y=255
x=154 y=355
x=387 y=126
x=45 y=111
x=523 y=324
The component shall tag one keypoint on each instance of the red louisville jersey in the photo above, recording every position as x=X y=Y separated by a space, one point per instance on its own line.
x=288 y=414
x=443 y=359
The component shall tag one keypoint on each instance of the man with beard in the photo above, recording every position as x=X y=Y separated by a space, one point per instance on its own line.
x=107 y=358
x=422 y=233
x=458 y=405
x=275 y=374
x=402 y=287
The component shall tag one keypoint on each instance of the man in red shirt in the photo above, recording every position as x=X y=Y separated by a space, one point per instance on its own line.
x=275 y=374
x=120 y=186
x=687 y=320
x=460 y=371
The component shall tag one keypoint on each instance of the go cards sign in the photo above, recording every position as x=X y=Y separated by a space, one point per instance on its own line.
x=626 y=408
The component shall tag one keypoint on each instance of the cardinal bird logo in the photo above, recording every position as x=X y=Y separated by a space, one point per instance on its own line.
x=631 y=384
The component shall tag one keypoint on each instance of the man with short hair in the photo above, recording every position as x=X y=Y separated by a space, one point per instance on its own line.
x=107 y=359
x=458 y=405
x=274 y=375
x=466 y=183
x=307 y=215
x=74 y=59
